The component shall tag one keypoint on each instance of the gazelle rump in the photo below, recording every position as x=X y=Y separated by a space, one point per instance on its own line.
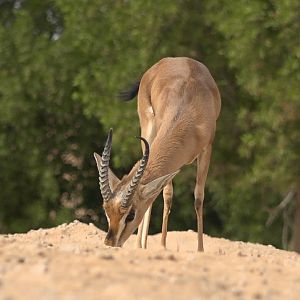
x=178 y=105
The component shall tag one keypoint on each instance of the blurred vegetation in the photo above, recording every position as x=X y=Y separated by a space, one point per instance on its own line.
x=63 y=62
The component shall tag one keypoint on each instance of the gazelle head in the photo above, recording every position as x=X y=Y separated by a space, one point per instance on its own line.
x=125 y=201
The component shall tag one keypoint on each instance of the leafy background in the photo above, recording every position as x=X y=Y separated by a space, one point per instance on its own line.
x=62 y=64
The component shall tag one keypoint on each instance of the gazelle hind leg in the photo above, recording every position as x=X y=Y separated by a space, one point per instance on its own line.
x=167 y=195
x=202 y=169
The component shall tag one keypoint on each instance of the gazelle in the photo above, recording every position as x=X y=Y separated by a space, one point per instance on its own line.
x=178 y=105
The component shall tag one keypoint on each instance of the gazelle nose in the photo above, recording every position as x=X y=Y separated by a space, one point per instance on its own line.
x=109 y=242
x=110 y=239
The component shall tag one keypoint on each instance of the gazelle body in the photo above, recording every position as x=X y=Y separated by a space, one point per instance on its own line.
x=178 y=105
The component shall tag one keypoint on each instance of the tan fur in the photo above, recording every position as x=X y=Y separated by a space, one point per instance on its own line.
x=178 y=105
x=186 y=103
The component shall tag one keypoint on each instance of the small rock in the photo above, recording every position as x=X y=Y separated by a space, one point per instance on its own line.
x=41 y=253
x=107 y=257
x=241 y=254
x=158 y=257
x=172 y=257
x=221 y=251
x=21 y=260
x=238 y=292
x=222 y=285
x=264 y=281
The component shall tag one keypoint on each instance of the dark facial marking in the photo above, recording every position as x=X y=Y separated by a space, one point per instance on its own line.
x=130 y=217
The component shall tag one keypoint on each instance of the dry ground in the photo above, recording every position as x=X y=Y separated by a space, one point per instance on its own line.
x=71 y=262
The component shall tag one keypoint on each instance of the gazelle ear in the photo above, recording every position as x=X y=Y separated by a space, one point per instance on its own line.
x=154 y=187
x=113 y=179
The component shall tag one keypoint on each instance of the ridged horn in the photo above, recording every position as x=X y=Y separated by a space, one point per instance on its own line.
x=103 y=172
x=127 y=197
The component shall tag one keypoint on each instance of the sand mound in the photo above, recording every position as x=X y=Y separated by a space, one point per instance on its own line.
x=71 y=262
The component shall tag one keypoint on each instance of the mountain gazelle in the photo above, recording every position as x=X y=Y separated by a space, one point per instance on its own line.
x=178 y=105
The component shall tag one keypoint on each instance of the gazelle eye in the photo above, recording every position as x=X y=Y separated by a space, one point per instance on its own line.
x=130 y=216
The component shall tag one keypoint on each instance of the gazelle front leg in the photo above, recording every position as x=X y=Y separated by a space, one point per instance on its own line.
x=141 y=238
x=138 y=243
x=202 y=169
x=146 y=222
x=167 y=195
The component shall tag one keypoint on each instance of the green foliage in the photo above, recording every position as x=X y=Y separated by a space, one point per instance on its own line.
x=62 y=64
x=262 y=46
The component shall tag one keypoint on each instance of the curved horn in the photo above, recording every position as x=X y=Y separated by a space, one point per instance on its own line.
x=127 y=197
x=103 y=172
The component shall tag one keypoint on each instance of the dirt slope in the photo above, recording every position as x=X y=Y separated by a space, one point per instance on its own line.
x=71 y=262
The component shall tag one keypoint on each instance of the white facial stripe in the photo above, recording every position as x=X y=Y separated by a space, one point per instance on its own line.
x=108 y=219
x=121 y=225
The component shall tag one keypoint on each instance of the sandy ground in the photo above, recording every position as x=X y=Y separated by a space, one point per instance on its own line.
x=71 y=262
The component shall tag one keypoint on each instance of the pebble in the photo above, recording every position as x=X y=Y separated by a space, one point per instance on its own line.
x=257 y=296
x=238 y=292
x=107 y=257
x=221 y=251
x=158 y=257
x=241 y=254
x=21 y=260
x=41 y=253
x=221 y=285
x=172 y=257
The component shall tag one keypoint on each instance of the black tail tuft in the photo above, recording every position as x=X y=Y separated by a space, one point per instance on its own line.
x=131 y=93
